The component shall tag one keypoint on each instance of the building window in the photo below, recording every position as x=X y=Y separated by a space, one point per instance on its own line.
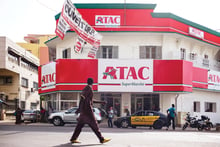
x=33 y=105
x=150 y=52
x=35 y=85
x=4 y=80
x=107 y=52
x=206 y=61
x=210 y=107
x=196 y=106
x=182 y=54
x=67 y=53
x=24 y=82
x=23 y=105
x=192 y=56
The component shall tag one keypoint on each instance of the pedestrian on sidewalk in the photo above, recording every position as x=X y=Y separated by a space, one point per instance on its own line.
x=171 y=114
x=18 y=114
x=110 y=117
x=86 y=114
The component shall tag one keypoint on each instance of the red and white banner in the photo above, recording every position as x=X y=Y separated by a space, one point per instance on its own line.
x=61 y=27
x=80 y=43
x=79 y=25
x=92 y=52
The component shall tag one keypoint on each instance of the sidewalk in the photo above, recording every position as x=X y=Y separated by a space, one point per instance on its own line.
x=103 y=124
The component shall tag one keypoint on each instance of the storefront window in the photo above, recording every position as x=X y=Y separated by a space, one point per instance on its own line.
x=68 y=100
x=113 y=100
x=144 y=102
x=67 y=105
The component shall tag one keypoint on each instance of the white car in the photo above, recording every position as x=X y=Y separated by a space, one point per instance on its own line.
x=69 y=116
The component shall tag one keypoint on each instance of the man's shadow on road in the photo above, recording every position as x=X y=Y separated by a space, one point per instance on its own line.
x=75 y=145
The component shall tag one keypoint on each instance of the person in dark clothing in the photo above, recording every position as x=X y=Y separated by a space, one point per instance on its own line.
x=42 y=114
x=18 y=114
x=171 y=116
x=87 y=115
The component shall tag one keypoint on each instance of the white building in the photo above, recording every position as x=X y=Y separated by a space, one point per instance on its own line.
x=159 y=59
x=18 y=77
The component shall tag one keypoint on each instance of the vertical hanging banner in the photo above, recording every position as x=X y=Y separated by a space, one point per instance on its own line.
x=92 y=52
x=72 y=17
x=61 y=28
x=80 y=43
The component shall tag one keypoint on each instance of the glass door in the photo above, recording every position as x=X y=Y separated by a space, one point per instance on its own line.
x=139 y=103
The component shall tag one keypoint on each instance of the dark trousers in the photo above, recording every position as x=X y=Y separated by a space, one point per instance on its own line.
x=169 y=122
x=110 y=125
x=93 y=125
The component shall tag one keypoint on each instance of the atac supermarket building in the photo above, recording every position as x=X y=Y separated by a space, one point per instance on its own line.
x=146 y=61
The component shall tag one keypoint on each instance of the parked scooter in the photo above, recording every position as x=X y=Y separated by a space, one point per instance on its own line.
x=201 y=124
x=191 y=122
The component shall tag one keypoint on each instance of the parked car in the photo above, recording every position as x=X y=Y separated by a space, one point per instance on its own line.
x=147 y=118
x=30 y=115
x=69 y=116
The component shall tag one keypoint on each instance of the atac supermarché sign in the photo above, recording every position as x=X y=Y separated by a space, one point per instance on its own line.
x=125 y=75
x=48 y=76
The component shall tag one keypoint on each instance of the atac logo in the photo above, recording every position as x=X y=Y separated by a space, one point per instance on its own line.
x=124 y=73
x=107 y=20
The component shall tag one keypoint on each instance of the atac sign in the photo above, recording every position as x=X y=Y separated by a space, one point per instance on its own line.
x=48 y=76
x=213 y=80
x=125 y=75
x=107 y=20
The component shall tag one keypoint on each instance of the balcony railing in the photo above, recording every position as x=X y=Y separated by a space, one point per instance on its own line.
x=206 y=63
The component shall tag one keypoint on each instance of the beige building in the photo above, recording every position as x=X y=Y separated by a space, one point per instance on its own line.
x=35 y=44
x=18 y=77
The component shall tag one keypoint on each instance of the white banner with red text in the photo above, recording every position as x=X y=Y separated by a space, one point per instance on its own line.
x=125 y=75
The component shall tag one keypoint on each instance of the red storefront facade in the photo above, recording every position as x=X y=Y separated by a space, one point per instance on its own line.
x=131 y=81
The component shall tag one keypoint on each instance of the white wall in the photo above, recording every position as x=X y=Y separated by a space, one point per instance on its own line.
x=185 y=103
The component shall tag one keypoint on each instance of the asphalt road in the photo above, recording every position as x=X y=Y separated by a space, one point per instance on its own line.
x=46 y=135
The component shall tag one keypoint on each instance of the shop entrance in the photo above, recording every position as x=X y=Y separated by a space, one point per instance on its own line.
x=144 y=102
x=139 y=103
x=113 y=100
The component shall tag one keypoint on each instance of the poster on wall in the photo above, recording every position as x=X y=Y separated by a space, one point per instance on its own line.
x=125 y=75
x=48 y=76
x=213 y=80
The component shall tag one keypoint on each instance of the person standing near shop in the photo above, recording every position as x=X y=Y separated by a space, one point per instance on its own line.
x=86 y=114
x=18 y=114
x=171 y=114
x=110 y=117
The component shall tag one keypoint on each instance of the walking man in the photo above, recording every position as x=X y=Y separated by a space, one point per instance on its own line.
x=86 y=114
x=171 y=116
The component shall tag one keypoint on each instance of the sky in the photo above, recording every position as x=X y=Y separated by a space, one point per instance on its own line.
x=22 y=17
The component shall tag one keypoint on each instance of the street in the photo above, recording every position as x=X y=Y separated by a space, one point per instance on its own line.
x=46 y=135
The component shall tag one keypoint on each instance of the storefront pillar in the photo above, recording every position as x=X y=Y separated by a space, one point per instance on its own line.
x=58 y=101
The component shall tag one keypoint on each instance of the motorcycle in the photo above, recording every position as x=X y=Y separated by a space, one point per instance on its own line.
x=192 y=122
x=200 y=124
x=206 y=124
